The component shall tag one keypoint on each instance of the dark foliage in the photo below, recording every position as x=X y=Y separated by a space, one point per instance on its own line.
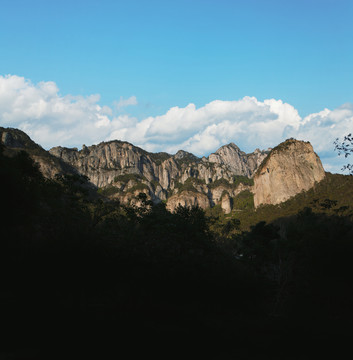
x=85 y=277
x=346 y=148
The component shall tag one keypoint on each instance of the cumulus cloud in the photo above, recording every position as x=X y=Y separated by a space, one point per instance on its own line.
x=321 y=129
x=52 y=119
x=125 y=102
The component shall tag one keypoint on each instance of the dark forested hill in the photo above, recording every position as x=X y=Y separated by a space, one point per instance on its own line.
x=83 y=276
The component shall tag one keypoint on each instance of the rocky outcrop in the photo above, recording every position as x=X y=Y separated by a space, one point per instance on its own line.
x=222 y=195
x=15 y=140
x=132 y=198
x=125 y=170
x=162 y=173
x=103 y=162
x=226 y=203
x=290 y=168
x=189 y=199
x=237 y=161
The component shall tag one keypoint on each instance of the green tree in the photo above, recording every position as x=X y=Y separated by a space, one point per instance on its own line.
x=345 y=147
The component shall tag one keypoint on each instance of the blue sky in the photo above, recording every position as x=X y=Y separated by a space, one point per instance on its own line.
x=169 y=54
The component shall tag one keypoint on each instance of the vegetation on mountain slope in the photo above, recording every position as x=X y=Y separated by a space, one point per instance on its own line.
x=85 y=276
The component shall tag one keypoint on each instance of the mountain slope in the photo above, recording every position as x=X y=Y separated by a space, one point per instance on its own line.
x=227 y=178
x=16 y=140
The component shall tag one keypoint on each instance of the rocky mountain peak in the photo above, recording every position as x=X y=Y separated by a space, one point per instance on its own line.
x=16 y=140
x=183 y=178
x=181 y=154
x=237 y=161
x=164 y=175
x=289 y=168
x=230 y=147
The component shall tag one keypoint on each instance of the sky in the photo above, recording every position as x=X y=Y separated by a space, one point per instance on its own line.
x=170 y=75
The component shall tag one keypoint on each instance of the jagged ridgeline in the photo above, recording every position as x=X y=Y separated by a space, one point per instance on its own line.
x=225 y=178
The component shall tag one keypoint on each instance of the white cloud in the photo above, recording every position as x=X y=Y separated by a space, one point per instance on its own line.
x=52 y=119
x=49 y=118
x=322 y=128
x=125 y=102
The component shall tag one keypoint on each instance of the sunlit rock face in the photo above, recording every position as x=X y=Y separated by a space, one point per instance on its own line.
x=183 y=178
x=162 y=172
x=131 y=170
x=237 y=161
x=189 y=199
x=290 y=168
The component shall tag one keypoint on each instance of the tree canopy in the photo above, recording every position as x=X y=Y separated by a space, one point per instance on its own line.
x=345 y=148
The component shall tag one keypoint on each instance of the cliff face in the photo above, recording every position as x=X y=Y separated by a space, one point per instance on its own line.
x=124 y=166
x=102 y=163
x=188 y=198
x=121 y=170
x=124 y=170
x=237 y=161
x=290 y=168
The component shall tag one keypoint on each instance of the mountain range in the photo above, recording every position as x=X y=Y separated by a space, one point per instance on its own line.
x=120 y=170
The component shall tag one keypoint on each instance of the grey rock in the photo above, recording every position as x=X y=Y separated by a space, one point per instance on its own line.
x=290 y=168
x=182 y=178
